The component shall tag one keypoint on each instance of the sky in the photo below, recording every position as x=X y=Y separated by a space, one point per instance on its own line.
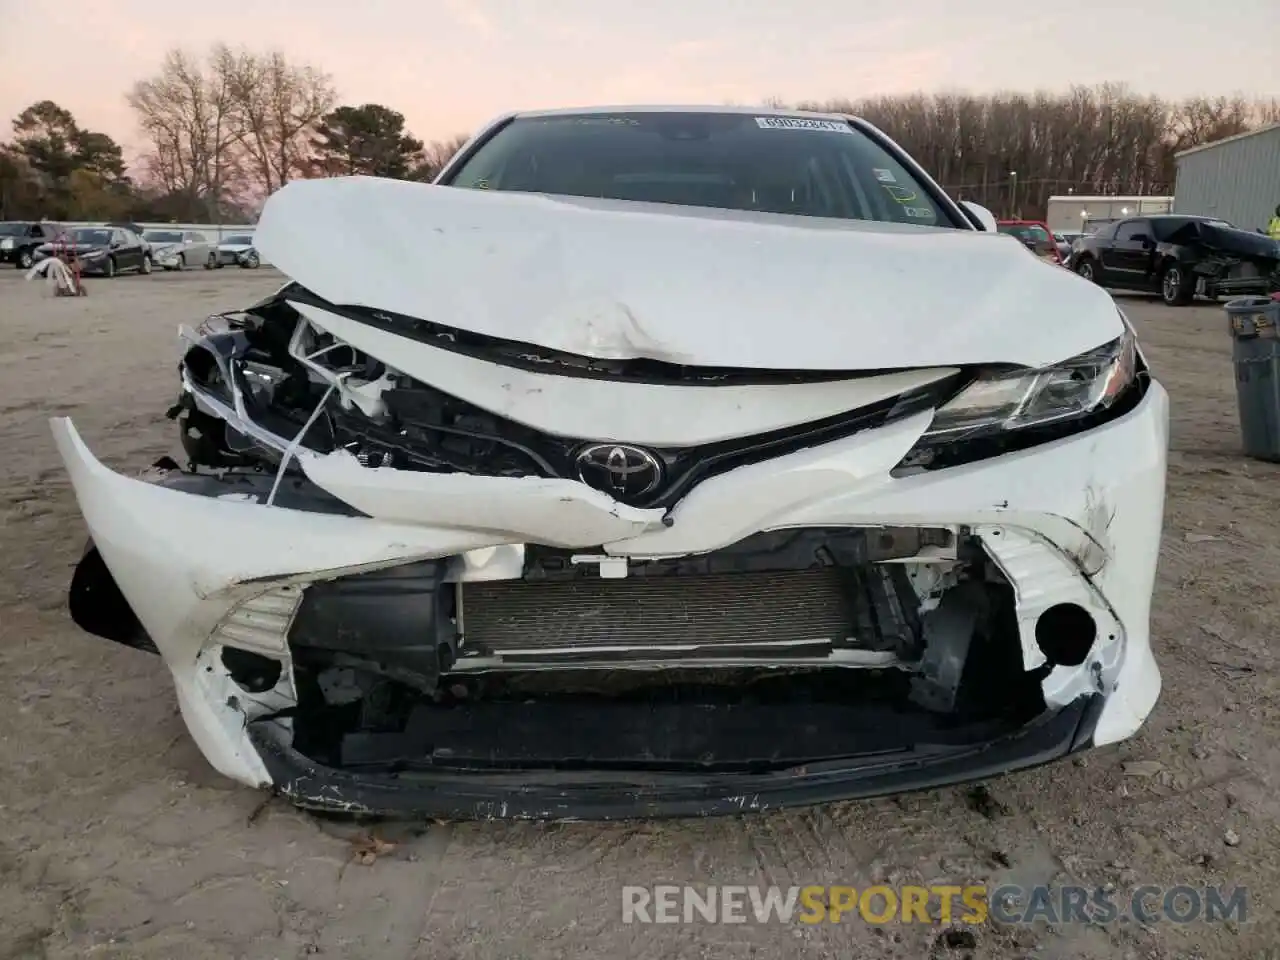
x=449 y=65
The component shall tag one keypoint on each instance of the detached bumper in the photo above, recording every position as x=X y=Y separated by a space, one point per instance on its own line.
x=1075 y=522
x=612 y=796
x=1246 y=286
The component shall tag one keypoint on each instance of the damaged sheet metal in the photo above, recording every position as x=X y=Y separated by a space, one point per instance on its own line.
x=615 y=279
x=610 y=509
x=660 y=415
x=506 y=509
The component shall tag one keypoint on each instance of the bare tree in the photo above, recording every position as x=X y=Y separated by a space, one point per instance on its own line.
x=1012 y=151
x=276 y=106
x=1202 y=120
x=1266 y=113
x=436 y=154
x=227 y=127
x=186 y=111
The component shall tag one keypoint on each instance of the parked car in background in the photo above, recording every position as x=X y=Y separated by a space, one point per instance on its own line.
x=1064 y=239
x=238 y=249
x=178 y=249
x=19 y=240
x=137 y=230
x=104 y=251
x=1179 y=257
x=1035 y=236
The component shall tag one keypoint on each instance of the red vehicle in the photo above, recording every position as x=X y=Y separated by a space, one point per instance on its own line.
x=1035 y=236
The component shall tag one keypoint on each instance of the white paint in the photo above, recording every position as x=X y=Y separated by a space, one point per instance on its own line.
x=561 y=513
x=764 y=496
x=612 y=279
x=983 y=215
x=1075 y=521
x=589 y=409
x=504 y=562
x=146 y=533
x=181 y=594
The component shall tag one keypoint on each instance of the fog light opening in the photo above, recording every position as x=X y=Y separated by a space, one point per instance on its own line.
x=1065 y=634
x=252 y=672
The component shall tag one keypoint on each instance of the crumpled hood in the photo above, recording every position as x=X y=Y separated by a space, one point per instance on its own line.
x=1232 y=240
x=695 y=286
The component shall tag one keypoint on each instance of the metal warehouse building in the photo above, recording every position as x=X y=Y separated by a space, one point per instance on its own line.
x=1237 y=179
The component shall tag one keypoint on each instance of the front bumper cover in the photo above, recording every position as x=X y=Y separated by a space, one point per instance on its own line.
x=1073 y=521
x=611 y=796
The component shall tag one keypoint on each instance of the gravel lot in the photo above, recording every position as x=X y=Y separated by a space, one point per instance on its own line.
x=119 y=842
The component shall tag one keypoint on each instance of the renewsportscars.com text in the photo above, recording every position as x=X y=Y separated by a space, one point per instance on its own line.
x=972 y=904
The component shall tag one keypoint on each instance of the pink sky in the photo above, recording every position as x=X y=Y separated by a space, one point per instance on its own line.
x=448 y=65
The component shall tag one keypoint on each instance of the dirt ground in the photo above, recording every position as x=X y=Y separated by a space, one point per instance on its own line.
x=117 y=841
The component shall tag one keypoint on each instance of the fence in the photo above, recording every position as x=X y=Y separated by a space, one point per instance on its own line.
x=218 y=230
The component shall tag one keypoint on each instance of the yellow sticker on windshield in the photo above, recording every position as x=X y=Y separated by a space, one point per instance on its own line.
x=901 y=194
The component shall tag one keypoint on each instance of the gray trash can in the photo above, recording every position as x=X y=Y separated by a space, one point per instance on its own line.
x=1254 y=323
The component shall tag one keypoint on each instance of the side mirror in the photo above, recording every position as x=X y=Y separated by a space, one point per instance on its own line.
x=980 y=213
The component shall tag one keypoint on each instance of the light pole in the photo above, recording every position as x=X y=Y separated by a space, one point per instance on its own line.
x=1013 y=193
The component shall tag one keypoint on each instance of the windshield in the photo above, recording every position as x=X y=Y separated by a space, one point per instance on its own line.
x=163 y=236
x=91 y=236
x=794 y=165
x=240 y=238
x=12 y=229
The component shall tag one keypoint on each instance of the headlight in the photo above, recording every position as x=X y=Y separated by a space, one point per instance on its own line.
x=91 y=254
x=6 y=243
x=1002 y=404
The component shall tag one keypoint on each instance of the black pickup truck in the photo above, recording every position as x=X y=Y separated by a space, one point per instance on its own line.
x=19 y=239
x=1178 y=257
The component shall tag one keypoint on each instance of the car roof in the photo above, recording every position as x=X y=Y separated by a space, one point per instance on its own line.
x=680 y=108
x=1172 y=216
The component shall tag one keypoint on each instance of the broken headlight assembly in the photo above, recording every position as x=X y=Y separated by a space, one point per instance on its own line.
x=1003 y=410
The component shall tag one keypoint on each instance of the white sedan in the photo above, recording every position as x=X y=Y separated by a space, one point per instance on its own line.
x=179 y=249
x=238 y=248
x=653 y=461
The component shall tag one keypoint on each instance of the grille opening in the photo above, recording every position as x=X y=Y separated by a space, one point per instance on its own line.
x=800 y=612
x=761 y=657
x=279 y=366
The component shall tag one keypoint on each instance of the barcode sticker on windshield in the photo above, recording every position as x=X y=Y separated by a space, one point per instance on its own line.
x=803 y=123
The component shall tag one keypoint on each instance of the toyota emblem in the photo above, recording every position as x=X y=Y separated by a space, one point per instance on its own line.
x=623 y=472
